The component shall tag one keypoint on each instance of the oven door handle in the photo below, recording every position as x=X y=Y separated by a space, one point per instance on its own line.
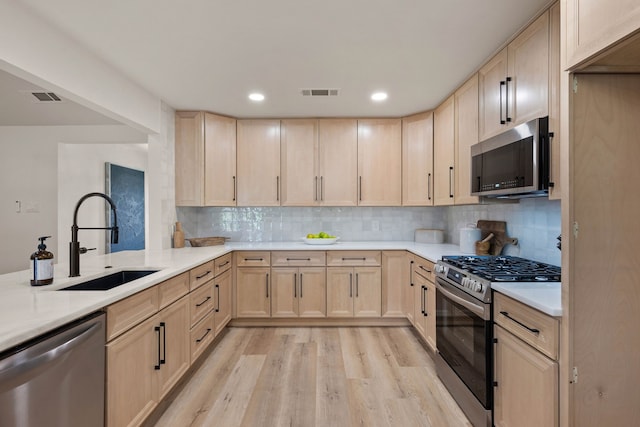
x=474 y=308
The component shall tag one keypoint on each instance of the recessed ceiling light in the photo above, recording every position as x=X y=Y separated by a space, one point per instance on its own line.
x=379 y=96
x=256 y=97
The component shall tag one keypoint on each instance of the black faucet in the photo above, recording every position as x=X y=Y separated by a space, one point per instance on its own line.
x=74 y=245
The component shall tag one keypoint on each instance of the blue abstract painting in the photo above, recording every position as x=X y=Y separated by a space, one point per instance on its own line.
x=125 y=186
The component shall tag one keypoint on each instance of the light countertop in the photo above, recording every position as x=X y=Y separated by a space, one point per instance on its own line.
x=27 y=311
x=545 y=297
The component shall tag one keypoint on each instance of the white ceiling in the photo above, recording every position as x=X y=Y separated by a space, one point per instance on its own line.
x=209 y=54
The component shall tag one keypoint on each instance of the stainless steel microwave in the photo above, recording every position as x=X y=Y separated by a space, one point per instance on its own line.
x=513 y=164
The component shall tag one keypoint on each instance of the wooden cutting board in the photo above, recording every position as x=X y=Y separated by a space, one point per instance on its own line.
x=499 y=230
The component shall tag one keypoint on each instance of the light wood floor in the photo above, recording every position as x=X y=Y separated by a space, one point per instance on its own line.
x=307 y=377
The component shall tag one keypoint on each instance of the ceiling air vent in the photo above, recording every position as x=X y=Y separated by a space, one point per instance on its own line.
x=46 y=96
x=319 y=92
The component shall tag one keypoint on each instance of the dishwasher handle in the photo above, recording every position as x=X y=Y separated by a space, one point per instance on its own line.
x=24 y=365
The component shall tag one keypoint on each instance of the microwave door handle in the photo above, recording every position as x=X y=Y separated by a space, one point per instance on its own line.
x=475 y=309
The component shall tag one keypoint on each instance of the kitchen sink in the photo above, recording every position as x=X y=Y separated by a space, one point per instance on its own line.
x=109 y=282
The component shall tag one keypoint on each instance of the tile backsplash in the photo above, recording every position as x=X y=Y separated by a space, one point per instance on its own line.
x=535 y=222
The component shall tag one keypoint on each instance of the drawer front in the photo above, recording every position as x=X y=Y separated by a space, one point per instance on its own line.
x=201 y=302
x=201 y=275
x=127 y=313
x=424 y=268
x=253 y=259
x=173 y=289
x=221 y=264
x=298 y=259
x=532 y=326
x=353 y=258
x=201 y=336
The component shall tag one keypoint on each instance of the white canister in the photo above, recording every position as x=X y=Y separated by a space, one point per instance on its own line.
x=468 y=238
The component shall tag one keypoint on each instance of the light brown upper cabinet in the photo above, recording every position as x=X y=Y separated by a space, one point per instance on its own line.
x=338 y=162
x=417 y=160
x=319 y=162
x=258 y=159
x=379 y=162
x=466 y=134
x=594 y=25
x=205 y=150
x=443 y=153
x=514 y=84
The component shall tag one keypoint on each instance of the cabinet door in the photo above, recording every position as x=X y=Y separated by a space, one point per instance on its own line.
x=222 y=295
x=284 y=297
x=338 y=162
x=379 y=162
x=258 y=146
x=555 y=73
x=527 y=384
x=219 y=160
x=528 y=68
x=176 y=354
x=430 y=313
x=593 y=25
x=417 y=160
x=253 y=292
x=132 y=382
x=189 y=158
x=299 y=145
x=312 y=292
x=492 y=96
x=395 y=276
x=340 y=292
x=367 y=292
x=466 y=134
x=443 y=150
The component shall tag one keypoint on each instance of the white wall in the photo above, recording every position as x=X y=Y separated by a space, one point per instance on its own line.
x=81 y=170
x=36 y=51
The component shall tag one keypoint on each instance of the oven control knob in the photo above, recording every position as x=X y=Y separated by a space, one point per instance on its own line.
x=465 y=282
x=439 y=268
x=478 y=287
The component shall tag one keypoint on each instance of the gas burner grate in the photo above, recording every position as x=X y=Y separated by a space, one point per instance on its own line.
x=505 y=268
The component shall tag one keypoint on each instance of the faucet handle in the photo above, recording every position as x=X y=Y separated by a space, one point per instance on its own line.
x=84 y=250
x=114 y=234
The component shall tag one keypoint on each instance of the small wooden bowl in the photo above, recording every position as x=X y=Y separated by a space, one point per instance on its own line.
x=482 y=248
x=207 y=241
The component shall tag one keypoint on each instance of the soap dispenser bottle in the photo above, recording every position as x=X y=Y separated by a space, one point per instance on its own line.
x=42 y=265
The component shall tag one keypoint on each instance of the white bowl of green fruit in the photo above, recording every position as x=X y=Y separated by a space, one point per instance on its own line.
x=321 y=238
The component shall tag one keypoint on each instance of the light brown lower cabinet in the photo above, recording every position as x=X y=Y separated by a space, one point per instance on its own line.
x=354 y=292
x=253 y=292
x=424 y=317
x=298 y=292
x=526 y=391
x=144 y=363
x=394 y=277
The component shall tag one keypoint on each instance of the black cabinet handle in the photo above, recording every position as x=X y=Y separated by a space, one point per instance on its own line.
x=254 y=259
x=277 y=188
x=224 y=263
x=422 y=308
x=300 y=285
x=199 y=340
x=164 y=343
x=203 y=275
x=357 y=286
x=450 y=181
x=411 y=273
x=321 y=189
x=532 y=330
x=218 y=298
x=424 y=295
x=157 y=330
x=267 y=285
x=298 y=259
x=425 y=269
x=204 y=301
x=234 y=188
x=506 y=102
x=295 y=285
x=354 y=259
x=350 y=285
x=360 y=188
x=429 y=186
x=315 y=193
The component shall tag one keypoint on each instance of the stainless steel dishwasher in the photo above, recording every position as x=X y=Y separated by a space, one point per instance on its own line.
x=56 y=379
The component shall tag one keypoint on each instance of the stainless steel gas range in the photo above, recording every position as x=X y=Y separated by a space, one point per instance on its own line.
x=464 y=327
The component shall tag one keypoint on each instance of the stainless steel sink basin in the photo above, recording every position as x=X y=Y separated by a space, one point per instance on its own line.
x=109 y=282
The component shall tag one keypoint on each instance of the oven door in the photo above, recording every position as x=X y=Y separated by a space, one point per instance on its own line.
x=463 y=338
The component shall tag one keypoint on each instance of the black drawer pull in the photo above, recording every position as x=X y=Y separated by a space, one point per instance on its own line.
x=298 y=259
x=205 y=334
x=224 y=263
x=425 y=269
x=205 y=300
x=157 y=366
x=254 y=259
x=203 y=275
x=532 y=330
x=354 y=259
